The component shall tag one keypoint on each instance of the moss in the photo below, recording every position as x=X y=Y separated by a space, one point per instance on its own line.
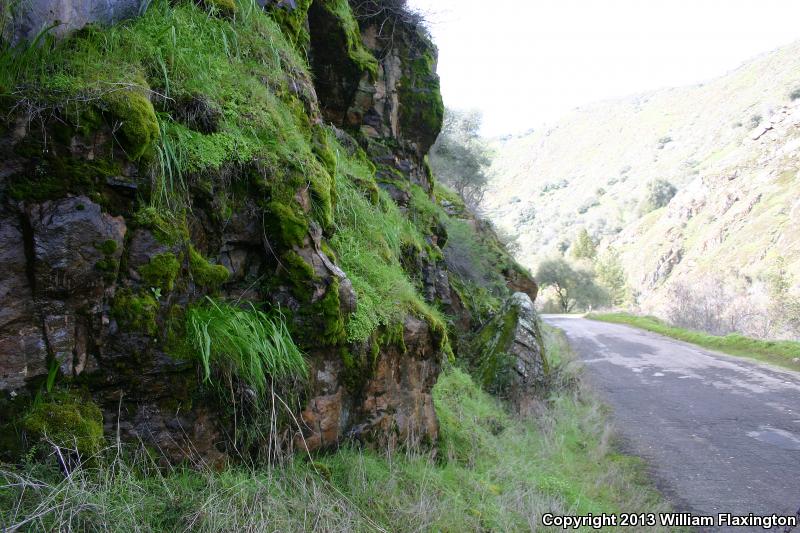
x=136 y=312
x=57 y=173
x=421 y=104
x=68 y=420
x=138 y=124
x=328 y=309
x=204 y=273
x=294 y=23
x=108 y=246
x=168 y=228
x=356 y=50
x=299 y=272
x=292 y=226
x=161 y=271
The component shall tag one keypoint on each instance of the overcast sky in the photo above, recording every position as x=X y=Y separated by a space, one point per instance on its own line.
x=527 y=62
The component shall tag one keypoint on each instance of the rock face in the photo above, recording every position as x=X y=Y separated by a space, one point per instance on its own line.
x=510 y=355
x=99 y=276
x=69 y=15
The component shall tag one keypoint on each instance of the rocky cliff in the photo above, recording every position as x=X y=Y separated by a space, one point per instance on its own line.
x=176 y=185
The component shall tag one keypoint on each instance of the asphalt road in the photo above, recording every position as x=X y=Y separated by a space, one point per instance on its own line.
x=720 y=434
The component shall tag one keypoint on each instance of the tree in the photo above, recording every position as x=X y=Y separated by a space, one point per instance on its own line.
x=460 y=158
x=584 y=247
x=575 y=288
x=658 y=194
x=611 y=275
x=784 y=308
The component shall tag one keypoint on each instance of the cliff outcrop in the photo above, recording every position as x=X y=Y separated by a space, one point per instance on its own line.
x=191 y=197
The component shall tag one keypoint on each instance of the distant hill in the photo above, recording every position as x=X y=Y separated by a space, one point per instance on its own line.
x=731 y=147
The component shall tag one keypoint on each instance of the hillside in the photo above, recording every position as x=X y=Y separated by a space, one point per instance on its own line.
x=729 y=146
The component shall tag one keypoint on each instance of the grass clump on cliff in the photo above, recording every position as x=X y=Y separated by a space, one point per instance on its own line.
x=243 y=342
x=494 y=472
x=781 y=353
x=369 y=240
x=132 y=76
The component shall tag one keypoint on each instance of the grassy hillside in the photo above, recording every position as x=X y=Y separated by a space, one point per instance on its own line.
x=734 y=211
x=493 y=473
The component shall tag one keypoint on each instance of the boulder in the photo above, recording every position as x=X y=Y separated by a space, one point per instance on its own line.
x=509 y=355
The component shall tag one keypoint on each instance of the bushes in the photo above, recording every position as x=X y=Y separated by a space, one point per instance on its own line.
x=657 y=195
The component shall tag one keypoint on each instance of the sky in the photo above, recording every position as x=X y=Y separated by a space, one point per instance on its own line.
x=524 y=63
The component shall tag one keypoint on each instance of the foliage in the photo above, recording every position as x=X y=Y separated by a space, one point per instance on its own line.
x=244 y=67
x=657 y=195
x=584 y=247
x=794 y=94
x=243 y=342
x=459 y=157
x=782 y=353
x=494 y=473
x=784 y=307
x=575 y=288
x=611 y=274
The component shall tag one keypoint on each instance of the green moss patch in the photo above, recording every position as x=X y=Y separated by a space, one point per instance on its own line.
x=358 y=54
x=204 y=273
x=294 y=23
x=161 y=271
x=132 y=110
x=67 y=420
x=136 y=312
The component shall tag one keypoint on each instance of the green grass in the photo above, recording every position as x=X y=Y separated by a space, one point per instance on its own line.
x=781 y=353
x=494 y=472
x=243 y=342
x=370 y=238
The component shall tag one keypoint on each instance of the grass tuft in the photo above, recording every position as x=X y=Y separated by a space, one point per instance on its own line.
x=243 y=342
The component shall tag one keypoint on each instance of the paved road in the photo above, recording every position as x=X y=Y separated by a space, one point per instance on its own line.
x=720 y=434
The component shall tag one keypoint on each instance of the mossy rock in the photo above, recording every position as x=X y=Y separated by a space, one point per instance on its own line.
x=161 y=271
x=291 y=223
x=138 y=125
x=68 y=420
x=136 y=312
x=204 y=273
x=293 y=22
x=167 y=228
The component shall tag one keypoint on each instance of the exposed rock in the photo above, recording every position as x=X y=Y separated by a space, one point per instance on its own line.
x=396 y=405
x=23 y=352
x=96 y=281
x=68 y=15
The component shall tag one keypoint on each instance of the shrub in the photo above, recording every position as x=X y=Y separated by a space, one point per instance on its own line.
x=794 y=94
x=657 y=195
